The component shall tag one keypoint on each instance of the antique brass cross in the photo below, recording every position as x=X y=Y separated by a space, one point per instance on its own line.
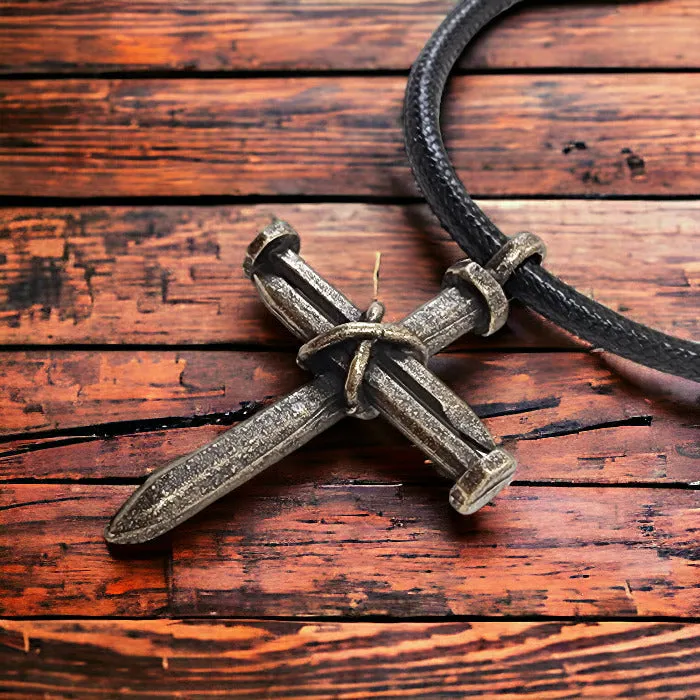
x=362 y=368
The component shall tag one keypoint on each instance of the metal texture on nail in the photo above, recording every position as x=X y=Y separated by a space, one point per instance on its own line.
x=514 y=253
x=497 y=306
x=363 y=368
x=178 y=491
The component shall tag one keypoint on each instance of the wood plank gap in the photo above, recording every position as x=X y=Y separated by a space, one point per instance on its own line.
x=389 y=619
x=337 y=73
x=248 y=408
x=12 y=202
x=101 y=431
x=292 y=347
x=543 y=483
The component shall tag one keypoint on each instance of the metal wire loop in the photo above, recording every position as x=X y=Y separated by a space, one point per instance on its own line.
x=368 y=332
x=514 y=252
x=489 y=281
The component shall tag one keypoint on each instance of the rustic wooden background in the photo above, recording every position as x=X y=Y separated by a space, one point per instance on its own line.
x=142 y=144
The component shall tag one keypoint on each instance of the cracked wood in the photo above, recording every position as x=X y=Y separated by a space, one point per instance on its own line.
x=55 y=561
x=564 y=415
x=397 y=550
x=173 y=274
x=298 y=659
x=354 y=550
x=329 y=136
x=268 y=35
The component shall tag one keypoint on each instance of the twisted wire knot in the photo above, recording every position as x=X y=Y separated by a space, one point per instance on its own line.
x=367 y=332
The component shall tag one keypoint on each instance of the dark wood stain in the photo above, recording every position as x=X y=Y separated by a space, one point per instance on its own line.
x=316 y=660
x=41 y=286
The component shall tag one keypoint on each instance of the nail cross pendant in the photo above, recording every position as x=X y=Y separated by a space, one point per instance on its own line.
x=363 y=368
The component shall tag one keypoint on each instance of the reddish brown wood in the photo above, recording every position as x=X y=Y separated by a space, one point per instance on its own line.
x=399 y=550
x=284 y=549
x=217 y=35
x=173 y=274
x=55 y=562
x=123 y=456
x=604 y=520
x=665 y=452
x=509 y=135
x=49 y=390
x=321 y=660
x=565 y=415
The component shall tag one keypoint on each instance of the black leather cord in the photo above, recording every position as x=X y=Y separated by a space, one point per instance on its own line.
x=480 y=238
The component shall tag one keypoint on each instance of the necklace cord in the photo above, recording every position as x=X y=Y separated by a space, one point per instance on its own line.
x=480 y=238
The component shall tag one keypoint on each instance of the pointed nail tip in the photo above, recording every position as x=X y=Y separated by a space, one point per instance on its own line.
x=113 y=535
x=125 y=538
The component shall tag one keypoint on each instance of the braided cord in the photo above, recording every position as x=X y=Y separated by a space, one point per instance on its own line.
x=480 y=238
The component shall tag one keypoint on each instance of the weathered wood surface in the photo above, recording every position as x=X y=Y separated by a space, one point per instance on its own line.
x=399 y=550
x=216 y=35
x=603 y=521
x=353 y=550
x=54 y=560
x=564 y=415
x=56 y=390
x=174 y=275
x=321 y=660
x=637 y=134
x=629 y=451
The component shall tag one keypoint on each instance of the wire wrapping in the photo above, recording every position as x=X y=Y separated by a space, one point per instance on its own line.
x=480 y=238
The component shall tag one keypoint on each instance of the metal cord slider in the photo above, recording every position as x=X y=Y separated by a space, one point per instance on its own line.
x=489 y=281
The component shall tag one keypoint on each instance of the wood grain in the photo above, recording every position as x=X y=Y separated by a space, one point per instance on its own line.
x=508 y=134
x=173 y=274
x=54 y=560
x=232 y=100
x=564 y=415
x=397 y=550
x=215 y=35
x=354 y=550
x=57 y=390
x=330 y=660
x=665 y=452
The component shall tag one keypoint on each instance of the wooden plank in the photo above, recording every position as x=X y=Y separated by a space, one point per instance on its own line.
x=173 y=274
x=664 y=452
x=58 y=390
x=117 y=35
x=508 y=134
x=55 y=562
x=400 y=551
x=322 y=660
x=565 y=416
x=354 y=550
